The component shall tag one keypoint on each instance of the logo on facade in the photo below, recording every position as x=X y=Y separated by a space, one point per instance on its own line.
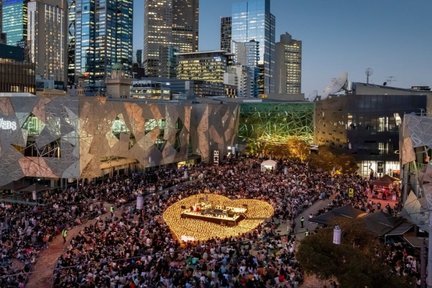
x=7 y=125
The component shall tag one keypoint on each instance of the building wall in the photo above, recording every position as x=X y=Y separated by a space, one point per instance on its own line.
x=47 y=38
x=17 y=76
x=365 y=126
x=205 y=66
x=76 y=137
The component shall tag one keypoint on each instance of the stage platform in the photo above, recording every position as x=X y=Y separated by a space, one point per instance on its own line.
x=229 y=216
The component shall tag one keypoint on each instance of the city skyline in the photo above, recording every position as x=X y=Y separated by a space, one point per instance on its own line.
x=389 y=37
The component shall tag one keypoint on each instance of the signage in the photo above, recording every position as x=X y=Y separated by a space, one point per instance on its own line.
x=216 y=157
x=7 y=125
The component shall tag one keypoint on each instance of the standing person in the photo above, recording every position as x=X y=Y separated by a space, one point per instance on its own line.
x=302 y=221
x=112 y=210
x=64 y=234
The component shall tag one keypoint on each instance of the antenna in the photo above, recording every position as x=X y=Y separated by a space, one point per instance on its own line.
x=390 y=79
x=368 y=72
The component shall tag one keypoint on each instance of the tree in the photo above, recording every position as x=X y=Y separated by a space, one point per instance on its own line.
x=327 y=160
x=352 y=263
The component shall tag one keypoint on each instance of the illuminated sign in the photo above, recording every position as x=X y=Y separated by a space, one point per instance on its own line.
x=7 y=125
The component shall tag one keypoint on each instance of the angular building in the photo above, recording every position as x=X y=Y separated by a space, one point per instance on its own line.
x=62 y=138
x=288 y=66
x=225 y=40
x=102 y=38
x=15 y=22
x=47 y=39
x=168 y=25
x=252 y=20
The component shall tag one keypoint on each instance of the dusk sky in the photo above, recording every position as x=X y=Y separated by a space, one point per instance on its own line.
x=393 y=37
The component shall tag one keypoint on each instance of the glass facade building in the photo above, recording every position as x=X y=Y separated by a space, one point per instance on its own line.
x=16 y=75
x=102 y=39
x=14 y=17
x=225 y=41
x=168 y=25
x=252 y=20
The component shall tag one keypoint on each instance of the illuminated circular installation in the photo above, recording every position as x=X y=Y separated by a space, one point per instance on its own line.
x=201 y=229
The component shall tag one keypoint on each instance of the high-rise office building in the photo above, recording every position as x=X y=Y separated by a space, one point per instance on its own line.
x=252 y=20
x=209 y=66
x=168 y=61
x=102 y=39
x=15 y=22
x=71 y=44
x=247 y=70
x=138 y=55
x=225 y=36
x=288 y=65
x=2 y=35
x=168 y=23
x=47 y=39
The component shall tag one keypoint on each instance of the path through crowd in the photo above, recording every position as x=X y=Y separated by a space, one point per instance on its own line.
x=43 y=270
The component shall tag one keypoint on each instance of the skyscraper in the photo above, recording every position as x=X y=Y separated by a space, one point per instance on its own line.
x=47 y=39
x=71 y=43
x=288 y=65
x=2 y=35
x=138 y=55
x=102 y=36
x=246 y=57
x=168 y=23
x=15 y=22
x=252 y=20
x=225 y=40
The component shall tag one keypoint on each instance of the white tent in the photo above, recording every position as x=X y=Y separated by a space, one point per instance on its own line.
x=268 y=165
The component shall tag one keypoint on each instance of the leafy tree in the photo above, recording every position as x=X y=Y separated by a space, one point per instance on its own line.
x=327 y=160
x=352 y=263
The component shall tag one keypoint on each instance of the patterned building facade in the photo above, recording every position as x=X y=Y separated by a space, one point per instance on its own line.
x=75 y=137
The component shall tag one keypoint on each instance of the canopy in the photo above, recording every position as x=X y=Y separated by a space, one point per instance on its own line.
x=401 y=229
x=333 y=216
x=380 y=223
x=14 y=186
x=268 y=165
x=35 y=187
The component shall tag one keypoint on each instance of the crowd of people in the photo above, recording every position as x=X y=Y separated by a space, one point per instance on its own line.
x=26 y=229
x=135 y=248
